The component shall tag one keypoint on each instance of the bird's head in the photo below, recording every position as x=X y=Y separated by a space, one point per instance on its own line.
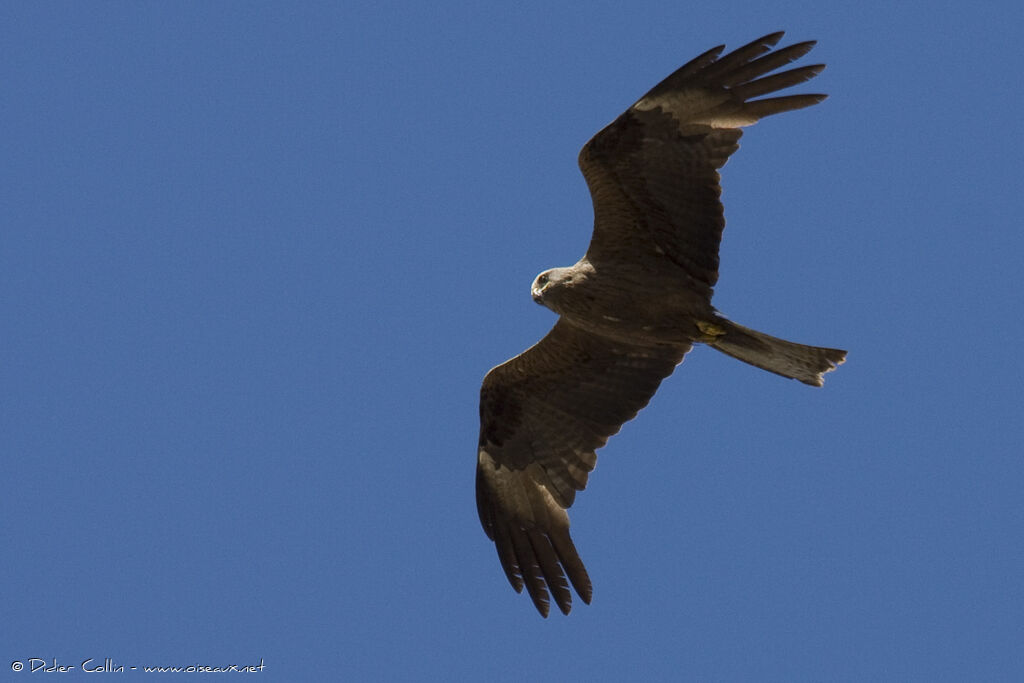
x=546 y=286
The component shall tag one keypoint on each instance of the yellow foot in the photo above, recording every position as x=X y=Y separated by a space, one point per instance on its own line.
x=711 y=331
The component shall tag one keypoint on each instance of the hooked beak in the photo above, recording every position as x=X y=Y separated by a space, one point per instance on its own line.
x=537 y=297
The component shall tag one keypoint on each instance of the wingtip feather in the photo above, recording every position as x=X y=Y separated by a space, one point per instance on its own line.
x=771 y=39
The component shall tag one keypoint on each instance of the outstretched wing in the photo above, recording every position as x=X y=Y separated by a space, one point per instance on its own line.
x=542 y=416
x=653 y=172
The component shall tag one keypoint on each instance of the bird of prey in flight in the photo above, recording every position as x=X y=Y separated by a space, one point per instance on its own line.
x=630 y=309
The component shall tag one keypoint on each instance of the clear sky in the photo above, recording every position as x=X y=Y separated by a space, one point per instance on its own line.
x=257 y=257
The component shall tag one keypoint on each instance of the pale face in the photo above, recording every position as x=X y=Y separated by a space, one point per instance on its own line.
x=544 y=283
x=539 y=283
x=547 y=284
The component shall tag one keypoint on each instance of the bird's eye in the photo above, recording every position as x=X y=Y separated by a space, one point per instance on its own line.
x=543 y=279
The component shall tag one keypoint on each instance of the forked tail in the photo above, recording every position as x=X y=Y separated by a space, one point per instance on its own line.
x=796 y=361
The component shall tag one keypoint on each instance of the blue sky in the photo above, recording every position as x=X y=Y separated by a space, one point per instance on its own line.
x=257 y=258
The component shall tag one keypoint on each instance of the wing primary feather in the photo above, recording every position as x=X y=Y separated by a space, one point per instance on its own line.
x=507 y=557
x=572 y=564
x=698 y=63
x=776 y=105
x=786 y=79
x=767 y=63
x=530 y=570
x=549 y=567
x=744 y=54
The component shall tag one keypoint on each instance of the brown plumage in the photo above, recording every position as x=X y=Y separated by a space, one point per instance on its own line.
x=630 y=309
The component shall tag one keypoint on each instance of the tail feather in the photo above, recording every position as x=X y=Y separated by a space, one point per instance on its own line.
x=796 y=361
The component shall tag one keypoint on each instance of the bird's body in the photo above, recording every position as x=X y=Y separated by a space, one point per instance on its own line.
x=630 y=309
x=664 y=313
